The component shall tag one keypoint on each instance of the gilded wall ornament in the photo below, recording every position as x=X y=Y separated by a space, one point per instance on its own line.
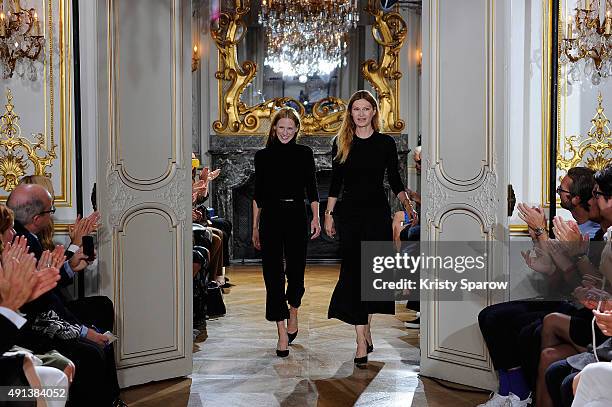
x=16 y=151
x=594 y=150
x=235 y=117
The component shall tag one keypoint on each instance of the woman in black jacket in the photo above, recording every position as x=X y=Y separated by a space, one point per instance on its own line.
x=284 y=172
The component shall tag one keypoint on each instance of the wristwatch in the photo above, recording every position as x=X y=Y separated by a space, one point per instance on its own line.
x=328 y=212
x=539 y=231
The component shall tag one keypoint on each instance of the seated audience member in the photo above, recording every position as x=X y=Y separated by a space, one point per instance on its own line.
x=80 y=228
x=7 y=235
x=560 y=374
x=69 y=327
x=20 y=283
x=592 y=386
x=407 y=228
x=217 y=222
x=518 y=324
x=219 y=247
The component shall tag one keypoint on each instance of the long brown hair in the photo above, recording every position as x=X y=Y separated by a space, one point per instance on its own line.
x=45 y=236
x=285 y=112
x=6 y=221
x=347 y=130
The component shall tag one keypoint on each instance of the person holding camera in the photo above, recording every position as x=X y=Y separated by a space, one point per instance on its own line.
x=284 y=170
x=361 y=155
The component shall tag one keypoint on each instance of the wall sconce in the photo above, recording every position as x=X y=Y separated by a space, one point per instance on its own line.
x=195 y=59
x=21 y=38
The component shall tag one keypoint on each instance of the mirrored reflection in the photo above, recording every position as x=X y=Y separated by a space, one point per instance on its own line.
x=304 y=54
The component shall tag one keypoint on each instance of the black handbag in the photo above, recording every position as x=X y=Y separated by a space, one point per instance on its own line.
x=215 y=306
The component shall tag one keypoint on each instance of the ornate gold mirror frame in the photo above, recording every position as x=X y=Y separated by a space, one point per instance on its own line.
x=591 y=148
x=235 y=117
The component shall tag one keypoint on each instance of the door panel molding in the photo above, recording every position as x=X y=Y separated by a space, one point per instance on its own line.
x=464 y=139
x=144 y=188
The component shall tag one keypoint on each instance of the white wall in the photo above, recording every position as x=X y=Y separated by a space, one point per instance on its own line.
x=526 y=102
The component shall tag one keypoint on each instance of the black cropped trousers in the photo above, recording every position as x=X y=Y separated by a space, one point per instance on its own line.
x=283 y=236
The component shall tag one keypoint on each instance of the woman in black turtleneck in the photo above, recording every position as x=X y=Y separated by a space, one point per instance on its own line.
x=361 y=155
x=283 y=171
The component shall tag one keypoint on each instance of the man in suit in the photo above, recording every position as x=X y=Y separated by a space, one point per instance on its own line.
x=95 y=380
x=33 y=207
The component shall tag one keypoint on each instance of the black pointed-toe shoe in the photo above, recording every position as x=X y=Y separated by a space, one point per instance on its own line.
x=291 y=336
x=361 y=362
x=282 y=353
x=370 y=347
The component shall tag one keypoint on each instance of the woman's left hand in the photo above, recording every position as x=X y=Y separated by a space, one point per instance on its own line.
x=315 y=228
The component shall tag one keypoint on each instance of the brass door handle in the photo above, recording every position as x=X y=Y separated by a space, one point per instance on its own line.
x=511 y=199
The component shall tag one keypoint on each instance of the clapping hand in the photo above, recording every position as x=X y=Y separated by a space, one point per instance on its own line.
x=574 y=243
x=214 y=174
x=83 y=227
x=15 y=285
x=533 y=216
x=18 y=250
x=540 y=263
x=198 y=189
x=53 y=259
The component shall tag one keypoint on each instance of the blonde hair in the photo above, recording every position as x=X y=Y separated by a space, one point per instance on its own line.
x=347 y=129
x=283 y=113
x=45 y=236
x=7 y=218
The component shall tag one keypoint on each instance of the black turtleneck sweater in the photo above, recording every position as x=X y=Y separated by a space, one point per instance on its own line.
x=363 y=172
x=284 y=171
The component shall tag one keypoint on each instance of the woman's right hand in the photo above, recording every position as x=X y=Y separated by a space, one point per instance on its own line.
x=97 y=338
x=255 y=239
x=329 y=226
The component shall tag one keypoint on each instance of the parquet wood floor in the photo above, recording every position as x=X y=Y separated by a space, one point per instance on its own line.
x=235 y=363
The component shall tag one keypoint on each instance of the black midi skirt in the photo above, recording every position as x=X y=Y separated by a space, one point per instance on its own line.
x=356 y=226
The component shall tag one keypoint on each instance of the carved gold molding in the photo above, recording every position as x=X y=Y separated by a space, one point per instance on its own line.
x=389 y=31
x=235 y=117
x=56 y=95
x=16 y=151
x=594 y=150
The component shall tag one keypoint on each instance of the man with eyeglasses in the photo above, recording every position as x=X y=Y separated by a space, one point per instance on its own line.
x=575 y=196
x=517 y=324
x=602 y=192
x=594 y=385
x=95 y=380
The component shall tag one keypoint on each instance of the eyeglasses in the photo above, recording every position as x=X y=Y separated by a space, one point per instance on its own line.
x=51 y=211
x=559 y=190
x=597 y=193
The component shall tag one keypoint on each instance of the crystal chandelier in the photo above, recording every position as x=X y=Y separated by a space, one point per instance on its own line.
x=307 y=37
x=21 y=40
x=587 y=45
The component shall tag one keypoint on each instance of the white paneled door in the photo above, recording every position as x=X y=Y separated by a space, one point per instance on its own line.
x=464 y=171
x=144 y=183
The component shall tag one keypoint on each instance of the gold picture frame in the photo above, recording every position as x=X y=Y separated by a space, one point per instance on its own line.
x=236 y=118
